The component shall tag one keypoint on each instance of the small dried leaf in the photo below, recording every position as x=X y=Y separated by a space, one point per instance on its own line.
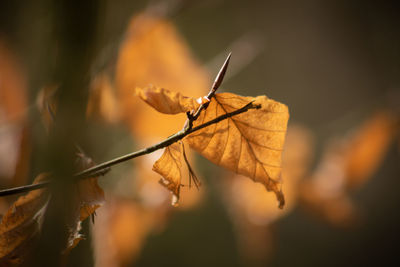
x=22 y=223
x=88 y=196
x=250 y=143
x=166 y=101
x=170 y=167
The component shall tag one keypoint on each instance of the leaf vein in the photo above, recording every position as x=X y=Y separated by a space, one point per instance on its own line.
x=215 y=128
x=226 y=143
x=251 y=148
x=257 y=128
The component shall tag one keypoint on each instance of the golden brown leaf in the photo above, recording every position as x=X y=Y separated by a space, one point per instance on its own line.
x=166 y=101
x=170 y=167
x=250 y=143
x=21 y=225
x=250 y=202
x=368 y=146
x=87 y=197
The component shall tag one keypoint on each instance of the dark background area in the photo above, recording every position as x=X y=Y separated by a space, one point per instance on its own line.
x=331 y=62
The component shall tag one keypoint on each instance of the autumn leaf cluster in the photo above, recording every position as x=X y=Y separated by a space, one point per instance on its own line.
x=248 y=142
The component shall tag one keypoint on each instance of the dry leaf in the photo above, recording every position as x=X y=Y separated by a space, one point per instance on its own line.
x=21 y=225
x=250 y=144
x=250 y=202
x=170 y=167
x=166 y=101
x=153 y=196
x=87 y=197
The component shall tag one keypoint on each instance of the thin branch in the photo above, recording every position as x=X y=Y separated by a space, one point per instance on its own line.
x=187 y=129
x=102 y=168
x=24 y=188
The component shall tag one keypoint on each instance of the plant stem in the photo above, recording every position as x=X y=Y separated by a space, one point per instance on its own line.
x=102 y=168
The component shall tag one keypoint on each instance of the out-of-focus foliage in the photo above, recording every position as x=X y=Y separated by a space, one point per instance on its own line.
x=14 y=134
x=153 y=43
x=171 y=103
x=307 y=45
x=347 y=163
x=153 y=52
x=21 y=226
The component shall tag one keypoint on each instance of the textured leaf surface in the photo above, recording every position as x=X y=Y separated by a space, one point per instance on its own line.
x=170 y=167
x=166 y=101
x=250 y=143
x=21 y=225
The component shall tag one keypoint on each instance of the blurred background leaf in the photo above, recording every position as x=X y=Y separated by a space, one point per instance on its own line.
x=334 y=63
